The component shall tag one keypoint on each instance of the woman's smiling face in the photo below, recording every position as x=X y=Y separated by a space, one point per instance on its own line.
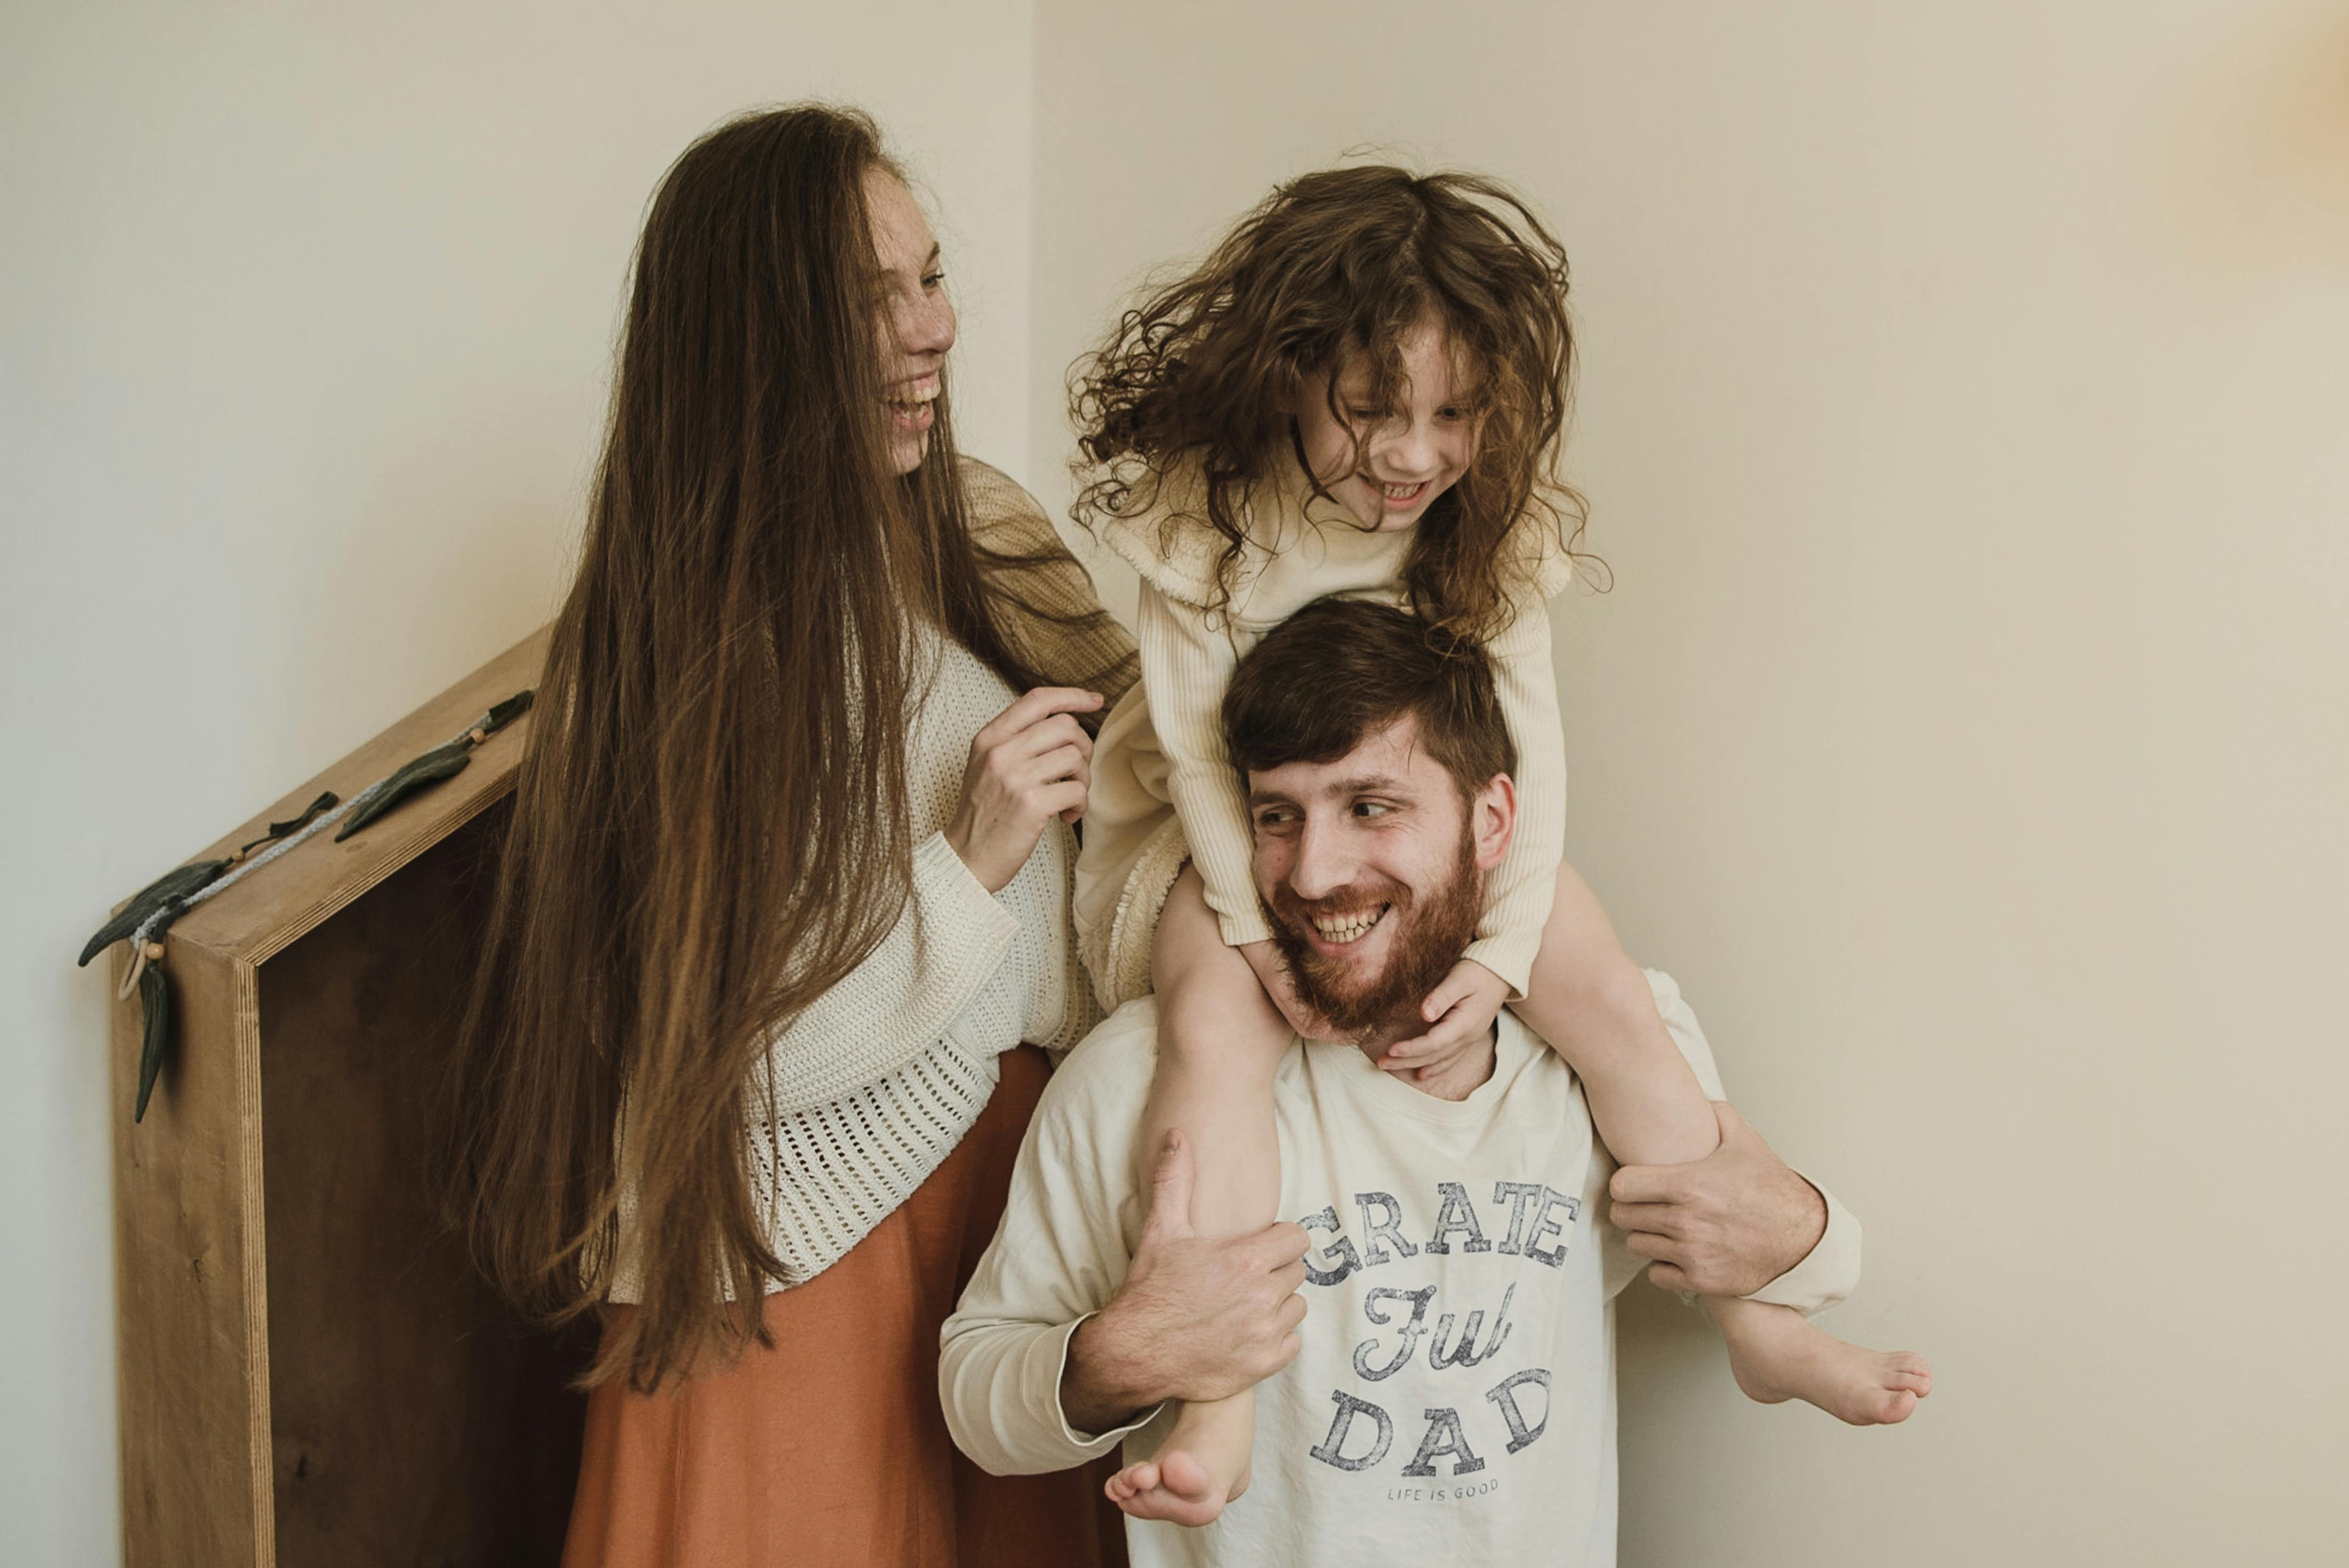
x=1386 y=465
x=917 y=324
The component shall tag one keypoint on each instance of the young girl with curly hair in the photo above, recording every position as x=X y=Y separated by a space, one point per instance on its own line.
x=1361 y=391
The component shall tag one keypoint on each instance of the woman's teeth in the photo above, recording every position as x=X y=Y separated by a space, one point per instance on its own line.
x=1403 y=492
x=914 y=396
x=1344 y=928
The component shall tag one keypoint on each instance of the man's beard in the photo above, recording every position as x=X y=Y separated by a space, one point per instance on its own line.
x=1433 y=934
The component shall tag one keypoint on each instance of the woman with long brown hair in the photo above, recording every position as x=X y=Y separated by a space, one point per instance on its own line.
x=786 y=888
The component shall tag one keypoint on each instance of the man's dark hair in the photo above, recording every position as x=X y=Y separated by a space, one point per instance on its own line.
x=1340 y=670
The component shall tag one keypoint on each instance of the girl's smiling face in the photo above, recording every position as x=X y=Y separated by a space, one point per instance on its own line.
x=1385 y=464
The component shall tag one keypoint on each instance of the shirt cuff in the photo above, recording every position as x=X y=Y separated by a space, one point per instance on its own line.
x=1239 y=930
x=1830 y=1272
x=1094 y=1444
x=1510 y=957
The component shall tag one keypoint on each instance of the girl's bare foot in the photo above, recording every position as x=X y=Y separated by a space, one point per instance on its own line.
x=1203 y=1466
x=1777 y=1355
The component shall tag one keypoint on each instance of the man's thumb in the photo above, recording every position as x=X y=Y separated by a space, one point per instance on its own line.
x=1733 y=1126
x=1170 y=1185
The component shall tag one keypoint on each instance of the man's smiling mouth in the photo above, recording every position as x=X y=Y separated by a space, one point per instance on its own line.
x=1341 y=928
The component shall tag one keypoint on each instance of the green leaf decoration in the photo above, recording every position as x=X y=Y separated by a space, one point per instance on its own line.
x=440 y=762
x=155 y=1008
x=166 y=898
x=506 y=712
x=166 y=888
x=277 y=831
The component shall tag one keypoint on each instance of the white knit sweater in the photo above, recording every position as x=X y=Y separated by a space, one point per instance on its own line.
x=875 y=1085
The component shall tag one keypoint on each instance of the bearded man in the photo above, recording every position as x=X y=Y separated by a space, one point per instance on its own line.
x=1437 y=1376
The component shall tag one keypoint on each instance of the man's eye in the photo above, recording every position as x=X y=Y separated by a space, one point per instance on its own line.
x=1275 y=819
x=1371 y=808
x=932 y=280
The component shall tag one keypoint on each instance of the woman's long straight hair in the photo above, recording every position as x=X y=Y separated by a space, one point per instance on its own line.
x=710 y=829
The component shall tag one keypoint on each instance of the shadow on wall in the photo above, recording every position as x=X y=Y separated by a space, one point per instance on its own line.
x=2254 y=182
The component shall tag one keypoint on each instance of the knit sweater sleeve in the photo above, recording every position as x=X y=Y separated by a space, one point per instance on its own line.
x=906 y=997
x=869 y=1090
x=1522 y=886
x=866 y=1092
x=1185 y=665
x=954 y=938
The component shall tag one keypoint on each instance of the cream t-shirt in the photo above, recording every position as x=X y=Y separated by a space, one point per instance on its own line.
x=1454 y=1399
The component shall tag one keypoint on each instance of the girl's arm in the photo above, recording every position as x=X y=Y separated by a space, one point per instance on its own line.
x=1497 y=967
x=1518 y=895
x=1185 y=665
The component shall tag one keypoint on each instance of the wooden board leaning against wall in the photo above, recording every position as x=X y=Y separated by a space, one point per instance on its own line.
x=310 y=1371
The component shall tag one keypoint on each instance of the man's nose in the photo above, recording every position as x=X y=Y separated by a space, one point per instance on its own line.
x=1323 y=863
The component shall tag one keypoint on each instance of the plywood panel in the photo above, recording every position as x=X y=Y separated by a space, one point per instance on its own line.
x=412 y=1421
x=301 y=1354
x=186 y=1201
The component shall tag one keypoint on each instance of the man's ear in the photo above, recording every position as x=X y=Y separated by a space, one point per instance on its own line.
x=1492 y=819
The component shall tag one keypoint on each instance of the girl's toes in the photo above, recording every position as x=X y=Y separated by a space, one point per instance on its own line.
x=1131 y=1482
x=1905 y=1369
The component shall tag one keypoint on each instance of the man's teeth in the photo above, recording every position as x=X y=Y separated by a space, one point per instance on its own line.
x=1347 y=927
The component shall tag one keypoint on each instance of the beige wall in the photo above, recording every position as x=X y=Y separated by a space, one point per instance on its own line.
x=304 y=319
x=1964 y=416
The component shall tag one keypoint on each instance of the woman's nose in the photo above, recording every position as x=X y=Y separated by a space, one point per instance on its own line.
x=927 y=325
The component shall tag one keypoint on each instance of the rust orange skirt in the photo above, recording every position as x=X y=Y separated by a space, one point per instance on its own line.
x=829 y=1448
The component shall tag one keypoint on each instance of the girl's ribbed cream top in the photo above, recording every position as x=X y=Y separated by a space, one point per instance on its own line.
x=1299 y=548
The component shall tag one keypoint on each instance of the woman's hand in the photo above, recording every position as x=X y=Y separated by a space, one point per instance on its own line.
x=1030 y=764
x=1460 y=1013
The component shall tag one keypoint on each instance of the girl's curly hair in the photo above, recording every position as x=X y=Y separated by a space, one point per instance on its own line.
x=1210 y=369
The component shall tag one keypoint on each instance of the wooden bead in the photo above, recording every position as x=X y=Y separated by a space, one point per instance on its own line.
x=154 y=951
x=477 y=736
